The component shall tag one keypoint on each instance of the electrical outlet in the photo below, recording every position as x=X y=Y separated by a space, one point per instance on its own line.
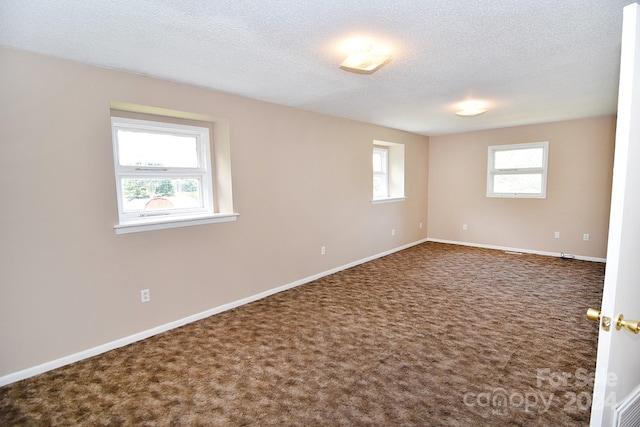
x=585 y=237
x=323 y=250
x=420 y=225
x=145 y=295
x=556 y=235
x=393 y=232
x=464 y=227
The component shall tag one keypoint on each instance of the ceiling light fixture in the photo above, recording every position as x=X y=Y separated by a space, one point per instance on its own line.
x=471 y=109
x=365 y=61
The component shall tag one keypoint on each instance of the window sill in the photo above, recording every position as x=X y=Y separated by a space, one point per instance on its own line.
x=388 y=200
x=175 y=222
x=516 y=196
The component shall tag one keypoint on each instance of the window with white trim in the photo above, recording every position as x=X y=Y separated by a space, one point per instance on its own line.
x=518 y=170
x=380 y=172
x=388 y=172
x=163 y=171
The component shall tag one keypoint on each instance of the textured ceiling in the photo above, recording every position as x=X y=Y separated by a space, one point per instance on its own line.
x=532 y=60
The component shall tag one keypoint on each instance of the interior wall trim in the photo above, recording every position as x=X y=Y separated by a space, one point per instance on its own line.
x=85 y=354
x=505 y=248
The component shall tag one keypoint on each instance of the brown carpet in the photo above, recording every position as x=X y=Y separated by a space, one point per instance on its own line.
x=433 y=335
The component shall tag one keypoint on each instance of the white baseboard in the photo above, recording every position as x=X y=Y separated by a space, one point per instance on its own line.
x=67 y=360
x=504 y=248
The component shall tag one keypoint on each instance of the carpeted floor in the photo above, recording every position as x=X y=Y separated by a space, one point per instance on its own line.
x=433 y=335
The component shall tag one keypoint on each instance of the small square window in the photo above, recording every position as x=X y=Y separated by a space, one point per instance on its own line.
x=518 y=171
x=163 y=170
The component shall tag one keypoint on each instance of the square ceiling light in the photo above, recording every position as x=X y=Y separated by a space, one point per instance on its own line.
x=365 y=62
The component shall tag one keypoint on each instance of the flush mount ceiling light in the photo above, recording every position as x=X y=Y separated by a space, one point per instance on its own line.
x=365 y=61
x=471 y=109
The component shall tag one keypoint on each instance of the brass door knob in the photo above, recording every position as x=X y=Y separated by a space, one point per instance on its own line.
x=630 y=325
x=593 y=314
x=596 y=316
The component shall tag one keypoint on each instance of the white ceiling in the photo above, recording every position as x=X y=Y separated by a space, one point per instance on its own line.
x=533 y=60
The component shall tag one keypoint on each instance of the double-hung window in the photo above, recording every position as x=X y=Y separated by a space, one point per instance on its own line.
x=388 y=172
x=163 y=171
x=380 y=172
x=518 y=171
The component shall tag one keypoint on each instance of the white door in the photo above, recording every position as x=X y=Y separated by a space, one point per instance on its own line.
x=618 y=365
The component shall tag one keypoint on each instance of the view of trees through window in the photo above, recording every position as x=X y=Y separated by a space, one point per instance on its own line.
x=526 y=158
x=161 y=167
x=180 y=192
x=526 y=184
x=517 y=170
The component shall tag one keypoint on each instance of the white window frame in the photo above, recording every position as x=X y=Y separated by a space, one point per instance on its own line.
x=167 y=218
x=395 y=172
x=384 y=173
x=492 y=171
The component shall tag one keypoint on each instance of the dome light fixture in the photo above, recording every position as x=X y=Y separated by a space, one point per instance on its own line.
x=472 y=109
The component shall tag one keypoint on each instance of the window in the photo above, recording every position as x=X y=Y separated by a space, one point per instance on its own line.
x=163 y=174
x=518 y=171
x=388 y=172
x=380 y=172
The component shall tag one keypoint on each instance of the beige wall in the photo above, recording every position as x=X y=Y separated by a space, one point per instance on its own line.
x=578 y=189
x=68 y=283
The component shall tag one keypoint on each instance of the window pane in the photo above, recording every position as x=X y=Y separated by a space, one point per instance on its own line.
x=160 y=194
x=155 y=149
x=515 y=159
x=377 y=161
x=524 y=184
x=380 y=186
x=380 y=156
